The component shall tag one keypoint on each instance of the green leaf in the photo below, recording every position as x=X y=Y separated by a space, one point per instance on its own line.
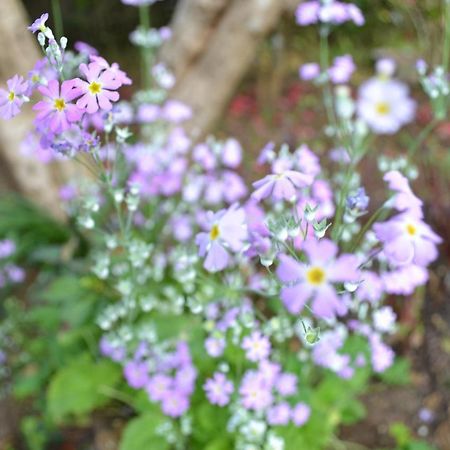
x=399 y=373
x=78 y=389
x=141 y=433
x=400 y=432
x=353 y=411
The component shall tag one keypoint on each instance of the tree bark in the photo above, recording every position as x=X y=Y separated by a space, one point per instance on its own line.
x=28 y=176
x=214 y=43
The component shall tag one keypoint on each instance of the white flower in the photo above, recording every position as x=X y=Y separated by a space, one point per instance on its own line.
x=385 y=105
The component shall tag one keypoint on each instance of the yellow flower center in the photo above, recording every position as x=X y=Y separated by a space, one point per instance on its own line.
x=214 y=233
x=411 y=229
x=59 y=104
x=11 y=96
x=35 y=78
x=382 y=108
x=315 y=276
x=95 y=88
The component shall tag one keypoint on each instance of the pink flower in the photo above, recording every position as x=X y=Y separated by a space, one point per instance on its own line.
x=227 y=231
x=407 y=240
x=307 y=13
x=119 y=74
x=256 y=346
x=218 y=389
x=39 y=24
x=404 y=198
x=12 y=99
x=283 y=185
x=300 y=414
x=315 y=280
x=309 y=71
x=342 y=69
x=256 y=391
x=55 y=110
x=279 y=414
x=99 y=89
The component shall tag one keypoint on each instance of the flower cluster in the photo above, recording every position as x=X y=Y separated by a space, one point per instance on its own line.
x=224 y=296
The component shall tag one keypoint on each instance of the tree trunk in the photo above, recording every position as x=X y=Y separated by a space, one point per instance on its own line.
x=214 y=43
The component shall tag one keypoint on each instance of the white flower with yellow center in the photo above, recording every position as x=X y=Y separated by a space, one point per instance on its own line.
x=384 y=105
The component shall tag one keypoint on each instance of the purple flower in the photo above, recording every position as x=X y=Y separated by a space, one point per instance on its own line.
x=300 y=414
x=218 y=389
x=39 y=24
x=404 y=198
x=119 y=75
x=333 y=12
x=175 y=111
x=227 y=231
x=404 y=280
x=315 y=279
x=214 y=346
x=279 y=414
x=407 y=240
x=136 y=374
x=158 y=386
x=139 y=2
x=7 y=248
x=256 y=391
x=256 y=346
x=359 y=200
x=55 y=110
x=231 y=153
x=14 y=97
x=309 y=71
x=371 y=287
x=85 y=49
x=99 y=89
x=382 y=355
x=307 y=13
x=286 y=384
x=283 y=185
x=15 y=274
x=174 y=403
x=185 y=379
x=116 y=353
x=341 y=70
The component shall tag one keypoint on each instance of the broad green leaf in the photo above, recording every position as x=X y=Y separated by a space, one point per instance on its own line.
x=141 y=433
x=79 y=388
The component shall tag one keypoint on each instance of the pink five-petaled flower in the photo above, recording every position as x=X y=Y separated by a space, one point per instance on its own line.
x=315 y=279
x=256 y=346
x=12 y=99
x=407 y=239
x=39 y=24
x=218 y=389
x=119 y=74
x=281 y=185
x=227 y=231
x=55 y=110
x=100 y=88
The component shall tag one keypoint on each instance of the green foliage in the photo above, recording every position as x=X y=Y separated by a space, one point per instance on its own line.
x=34 y=228
x=404 y=440
x=399 y=373
x=141 y=432
x=79 y=388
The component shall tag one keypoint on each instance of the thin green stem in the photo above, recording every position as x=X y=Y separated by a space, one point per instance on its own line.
x=146 y=52
x=57 y=18
x=422 y=138
x=446 y=58
x=376 y=215
x=324 y=64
